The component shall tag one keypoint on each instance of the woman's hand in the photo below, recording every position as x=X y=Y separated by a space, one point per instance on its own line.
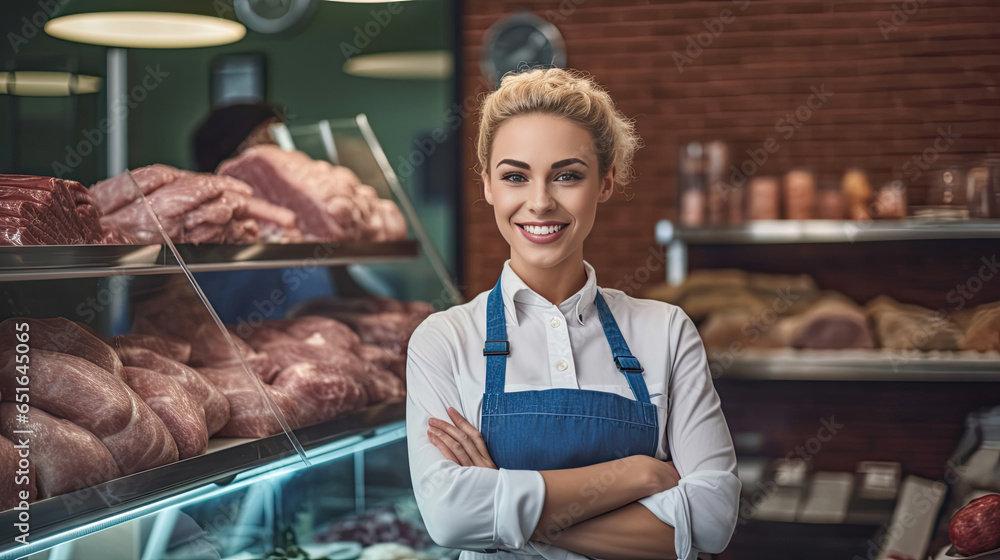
x=663 y=475
x=461 y=442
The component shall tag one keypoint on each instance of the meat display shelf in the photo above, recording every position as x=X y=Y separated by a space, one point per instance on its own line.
x=827 y=231
x=875 y=365
x=229 y=465
x=81 y=261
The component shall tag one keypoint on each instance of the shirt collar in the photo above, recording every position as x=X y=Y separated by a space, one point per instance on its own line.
x=514 y=290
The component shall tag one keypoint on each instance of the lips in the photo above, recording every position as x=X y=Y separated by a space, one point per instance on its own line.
x=543 y=232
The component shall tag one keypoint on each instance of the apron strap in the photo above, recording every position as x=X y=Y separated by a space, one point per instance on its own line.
x=497 y=348
x=624 y=360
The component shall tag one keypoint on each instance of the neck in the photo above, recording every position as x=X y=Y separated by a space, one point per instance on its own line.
x=555 y=284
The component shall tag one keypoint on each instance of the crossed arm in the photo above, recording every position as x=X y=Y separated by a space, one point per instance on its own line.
x=588 y=510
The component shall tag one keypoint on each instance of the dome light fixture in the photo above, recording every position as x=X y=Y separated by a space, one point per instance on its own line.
x=149 y=30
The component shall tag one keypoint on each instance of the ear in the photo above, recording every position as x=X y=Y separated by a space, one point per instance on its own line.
x=487 y=189
x=607 y=186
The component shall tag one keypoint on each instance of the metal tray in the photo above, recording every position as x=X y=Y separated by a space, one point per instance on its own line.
x=39 y=262
x=93 y=505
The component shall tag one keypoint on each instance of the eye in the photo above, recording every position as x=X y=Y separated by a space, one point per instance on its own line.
x=569 y=176
x=514 y=177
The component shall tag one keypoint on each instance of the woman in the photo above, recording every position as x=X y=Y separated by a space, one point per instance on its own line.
x=540 y=414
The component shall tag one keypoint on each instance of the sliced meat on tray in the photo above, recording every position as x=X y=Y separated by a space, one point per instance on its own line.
x=62 y=335
x=250 y=414
x=208 y=396
x=64 y=456
x=180 y=412
x=114 y=193
x=321 y=391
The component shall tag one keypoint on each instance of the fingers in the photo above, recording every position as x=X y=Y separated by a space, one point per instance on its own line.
x=456 y=449
x=473 y=434
x=436 y=442
x=461 y=444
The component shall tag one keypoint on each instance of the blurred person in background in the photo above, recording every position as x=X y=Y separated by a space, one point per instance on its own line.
x=238 y=295
x=543 y=415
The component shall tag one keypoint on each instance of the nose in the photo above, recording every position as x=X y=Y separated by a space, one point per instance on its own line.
x=540 y=199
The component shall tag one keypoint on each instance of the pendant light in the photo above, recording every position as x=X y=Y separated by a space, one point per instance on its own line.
x=47 y=84
x=149 y=24
x=410 y=65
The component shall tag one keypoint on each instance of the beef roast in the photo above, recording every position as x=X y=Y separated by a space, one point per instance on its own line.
x=911 y=327
x=47 y=211
x=250 y=414
x=832 y=323
x=180 y=412
x=211 y=400
x=64 y=456
x=62 y=335
x=322 y=391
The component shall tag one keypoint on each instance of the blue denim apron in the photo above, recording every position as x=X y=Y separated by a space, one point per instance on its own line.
x=563 y=428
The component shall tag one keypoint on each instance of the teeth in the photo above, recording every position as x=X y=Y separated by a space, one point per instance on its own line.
x=542 y=230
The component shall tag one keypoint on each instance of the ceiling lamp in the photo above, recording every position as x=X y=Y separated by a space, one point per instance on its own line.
x=420 y=65
x=148 y=24
x=47 y=84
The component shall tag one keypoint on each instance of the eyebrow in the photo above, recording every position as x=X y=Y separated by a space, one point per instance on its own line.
x=556 y=165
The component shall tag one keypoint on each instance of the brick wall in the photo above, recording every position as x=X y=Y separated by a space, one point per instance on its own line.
x=893 y=89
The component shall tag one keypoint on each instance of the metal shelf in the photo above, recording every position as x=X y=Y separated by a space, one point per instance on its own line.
x=229 y=465
x=82 y=261
x=827 y=231
x=875 y=365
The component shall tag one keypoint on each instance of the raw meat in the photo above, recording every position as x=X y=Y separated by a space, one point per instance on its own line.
x=145 y=443
x=724 y=328
x=47 y=211
x=384 y=359
x=330 y=202
x=318 y=331
x=114 y=193
x=265 y=335
x=64 y=456
x=193 y=208
x=276 y=223
x=382 y=385
x=13 y=482
x=211 y=400
x=830 y=324
x=62 y=335
x=911 y=327
x=251 y=416
x=169 y=346
x=180 y=412
x=321 y=391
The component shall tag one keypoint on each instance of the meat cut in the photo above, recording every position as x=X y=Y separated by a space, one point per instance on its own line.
x=330 y=202
x=50 y=211
x=114 y=193
x=209 y=398
x=169 y=346
x=75 y=389
x=250 y=414
x=901 y=326
x=832 y=323
x=64 y=456
x=322 y=391
x=62 y=335
x=180 y=412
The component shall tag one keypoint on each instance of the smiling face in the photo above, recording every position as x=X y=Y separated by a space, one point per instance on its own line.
x=544 y=185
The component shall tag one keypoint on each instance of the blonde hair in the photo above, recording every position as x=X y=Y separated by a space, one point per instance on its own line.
x=563 y=93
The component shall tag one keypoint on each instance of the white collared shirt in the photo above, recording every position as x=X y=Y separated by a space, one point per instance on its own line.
x=564 y=346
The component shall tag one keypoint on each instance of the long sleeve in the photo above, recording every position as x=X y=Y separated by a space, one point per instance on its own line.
x=703 y=507
x=462 y=507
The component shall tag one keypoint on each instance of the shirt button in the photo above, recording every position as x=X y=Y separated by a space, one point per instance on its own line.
x=561 y=365
x=555 y=323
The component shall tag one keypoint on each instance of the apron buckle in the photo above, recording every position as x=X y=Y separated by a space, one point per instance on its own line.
x=496 y=348
x=628 y=364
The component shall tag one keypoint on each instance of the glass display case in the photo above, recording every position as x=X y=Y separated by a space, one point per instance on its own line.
x=120 y=447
